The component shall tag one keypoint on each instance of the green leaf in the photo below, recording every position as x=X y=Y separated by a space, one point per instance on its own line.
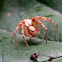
x=18 y=12
x=23 y=53
x=0 y=51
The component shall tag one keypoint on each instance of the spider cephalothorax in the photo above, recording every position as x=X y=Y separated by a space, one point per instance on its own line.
x=31 y=28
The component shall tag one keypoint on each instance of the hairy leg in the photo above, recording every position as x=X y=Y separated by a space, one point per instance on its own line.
x=23 y=35
x=46 y=30
x=36 y=18
x=43 y=27
x=14 y=35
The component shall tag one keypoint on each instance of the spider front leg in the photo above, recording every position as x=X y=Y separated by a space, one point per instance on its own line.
x=46 y=19
x=23 y=35
x=30 y=38
x=45 y=29
x=14 y=35
x=39 y=22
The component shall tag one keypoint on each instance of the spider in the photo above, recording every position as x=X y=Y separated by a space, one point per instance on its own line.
x=31 y=28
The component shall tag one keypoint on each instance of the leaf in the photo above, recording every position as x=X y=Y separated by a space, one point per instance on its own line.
x=13 y=13
x=23 y=53
x=0 y=52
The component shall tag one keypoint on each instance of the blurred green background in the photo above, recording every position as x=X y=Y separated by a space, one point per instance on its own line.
x=55 y=4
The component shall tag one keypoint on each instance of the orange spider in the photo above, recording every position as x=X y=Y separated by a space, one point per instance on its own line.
x=31 y=28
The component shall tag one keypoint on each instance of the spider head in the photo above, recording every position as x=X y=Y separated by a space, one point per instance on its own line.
x=32 y=30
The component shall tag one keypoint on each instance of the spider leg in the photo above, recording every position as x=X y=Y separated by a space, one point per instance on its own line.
x=14 y=35
x=46 y=19
x=43 y=27
x=26 y=32
x=30 y=37
x=23 y=35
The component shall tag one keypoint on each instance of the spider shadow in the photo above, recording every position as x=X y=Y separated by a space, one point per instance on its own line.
x=30 y=42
